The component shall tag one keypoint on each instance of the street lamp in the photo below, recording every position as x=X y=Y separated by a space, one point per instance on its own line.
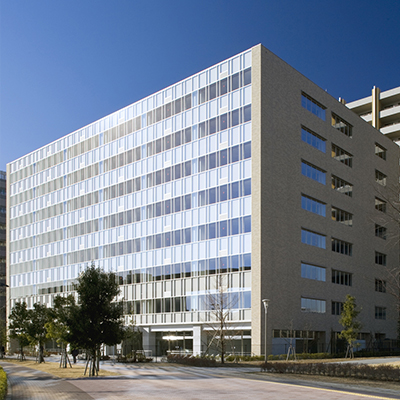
x=265 y=302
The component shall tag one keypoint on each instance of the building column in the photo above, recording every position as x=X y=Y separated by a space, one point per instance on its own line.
x=197 y=340
x=376 y=107
x=149 y=340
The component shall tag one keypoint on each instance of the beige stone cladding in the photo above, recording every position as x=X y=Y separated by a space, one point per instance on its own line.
x=278 y=218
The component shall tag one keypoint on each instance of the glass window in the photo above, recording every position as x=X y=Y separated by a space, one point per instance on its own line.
x=223 y=265
x=313 y=139
x=177 y=204
x=177 y=171
x=247 y=224
x=235 y=81
x=247 y=150
x=235 y=154
x=212 y=126
x=177 y=237
x=235 y=117
x=223 y=228
x=313 y=272
x=312 y=205
x=212 y=230
x=247 y=76
x=177 y=139
x=336 y=307
x=313 y=172
x=342 y=155
x=342 y=186
x=213 y=91
x=313 y=305
x=342 y=278
x=380 y=151
x=167 y=174
x=168 y=142
x=380 y=286
x=247 y=261
x=188 y=135
x=223 y=157
x=202 y=198
x=212 y=265
x=212 y=196
x=202 y=95
x=313 y=239
x=341 y=216
x=380 y=231
x=223 y=193
x=212 y=161
x=188 y=168
x=247 y=187
x=313 y=106
x=167 y=239
x=202 y=232
x=380 y=205
x=234 y=263
x=342 y=247
x=223 y=122
x=235 y=226
x=235 y=190
x=188 y=202
x=380 y=178
x=380 y=258
x=341 y=125
x=247 y=113
x=223 y=86
x=380 y=312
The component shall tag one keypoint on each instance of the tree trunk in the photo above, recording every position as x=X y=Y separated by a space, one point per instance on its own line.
x=41 y=358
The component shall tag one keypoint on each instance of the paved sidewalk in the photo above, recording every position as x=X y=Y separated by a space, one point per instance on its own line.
x=30 y=384
x=152 y=381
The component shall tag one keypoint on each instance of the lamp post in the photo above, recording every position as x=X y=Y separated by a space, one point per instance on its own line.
x=266 y=302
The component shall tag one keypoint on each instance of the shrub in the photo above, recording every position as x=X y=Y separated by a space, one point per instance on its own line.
x=193 y=361
x=231 y=357
x=3 y=384
x=360 y=371
x=302 y=356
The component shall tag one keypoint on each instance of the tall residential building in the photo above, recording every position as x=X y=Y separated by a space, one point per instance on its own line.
x=3 y=252
x=381 y=110
x=245 y=175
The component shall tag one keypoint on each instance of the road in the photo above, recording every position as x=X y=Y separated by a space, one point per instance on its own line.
x=176 y=382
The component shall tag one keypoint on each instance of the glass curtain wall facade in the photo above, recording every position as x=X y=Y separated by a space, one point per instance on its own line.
x=159 y=193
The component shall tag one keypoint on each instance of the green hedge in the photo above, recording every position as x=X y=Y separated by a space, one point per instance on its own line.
x=3 y=384
x=190 y=360
x=302 y=356
x=231 y=357
x=360 y=371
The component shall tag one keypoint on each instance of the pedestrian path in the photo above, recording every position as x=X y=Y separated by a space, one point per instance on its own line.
x=30 y=384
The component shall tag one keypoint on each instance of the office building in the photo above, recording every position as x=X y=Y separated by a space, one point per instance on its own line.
x=381 y=110
x=3 y=209
x=246 y=170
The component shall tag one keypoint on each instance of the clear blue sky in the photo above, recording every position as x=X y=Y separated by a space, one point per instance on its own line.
x=65 y=64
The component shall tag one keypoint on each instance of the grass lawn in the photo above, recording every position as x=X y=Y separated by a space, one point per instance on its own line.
x=53 y=368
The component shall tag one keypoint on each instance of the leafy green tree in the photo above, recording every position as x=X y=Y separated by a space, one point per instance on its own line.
x=57 y=327
x=3 y=337
x=132 y=341
x=352 y=327
x=19 y=326
x=37 y=332
x=97 y=319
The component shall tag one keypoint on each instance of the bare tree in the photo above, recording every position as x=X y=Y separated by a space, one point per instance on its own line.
x=388 y=202
x=219 y=303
